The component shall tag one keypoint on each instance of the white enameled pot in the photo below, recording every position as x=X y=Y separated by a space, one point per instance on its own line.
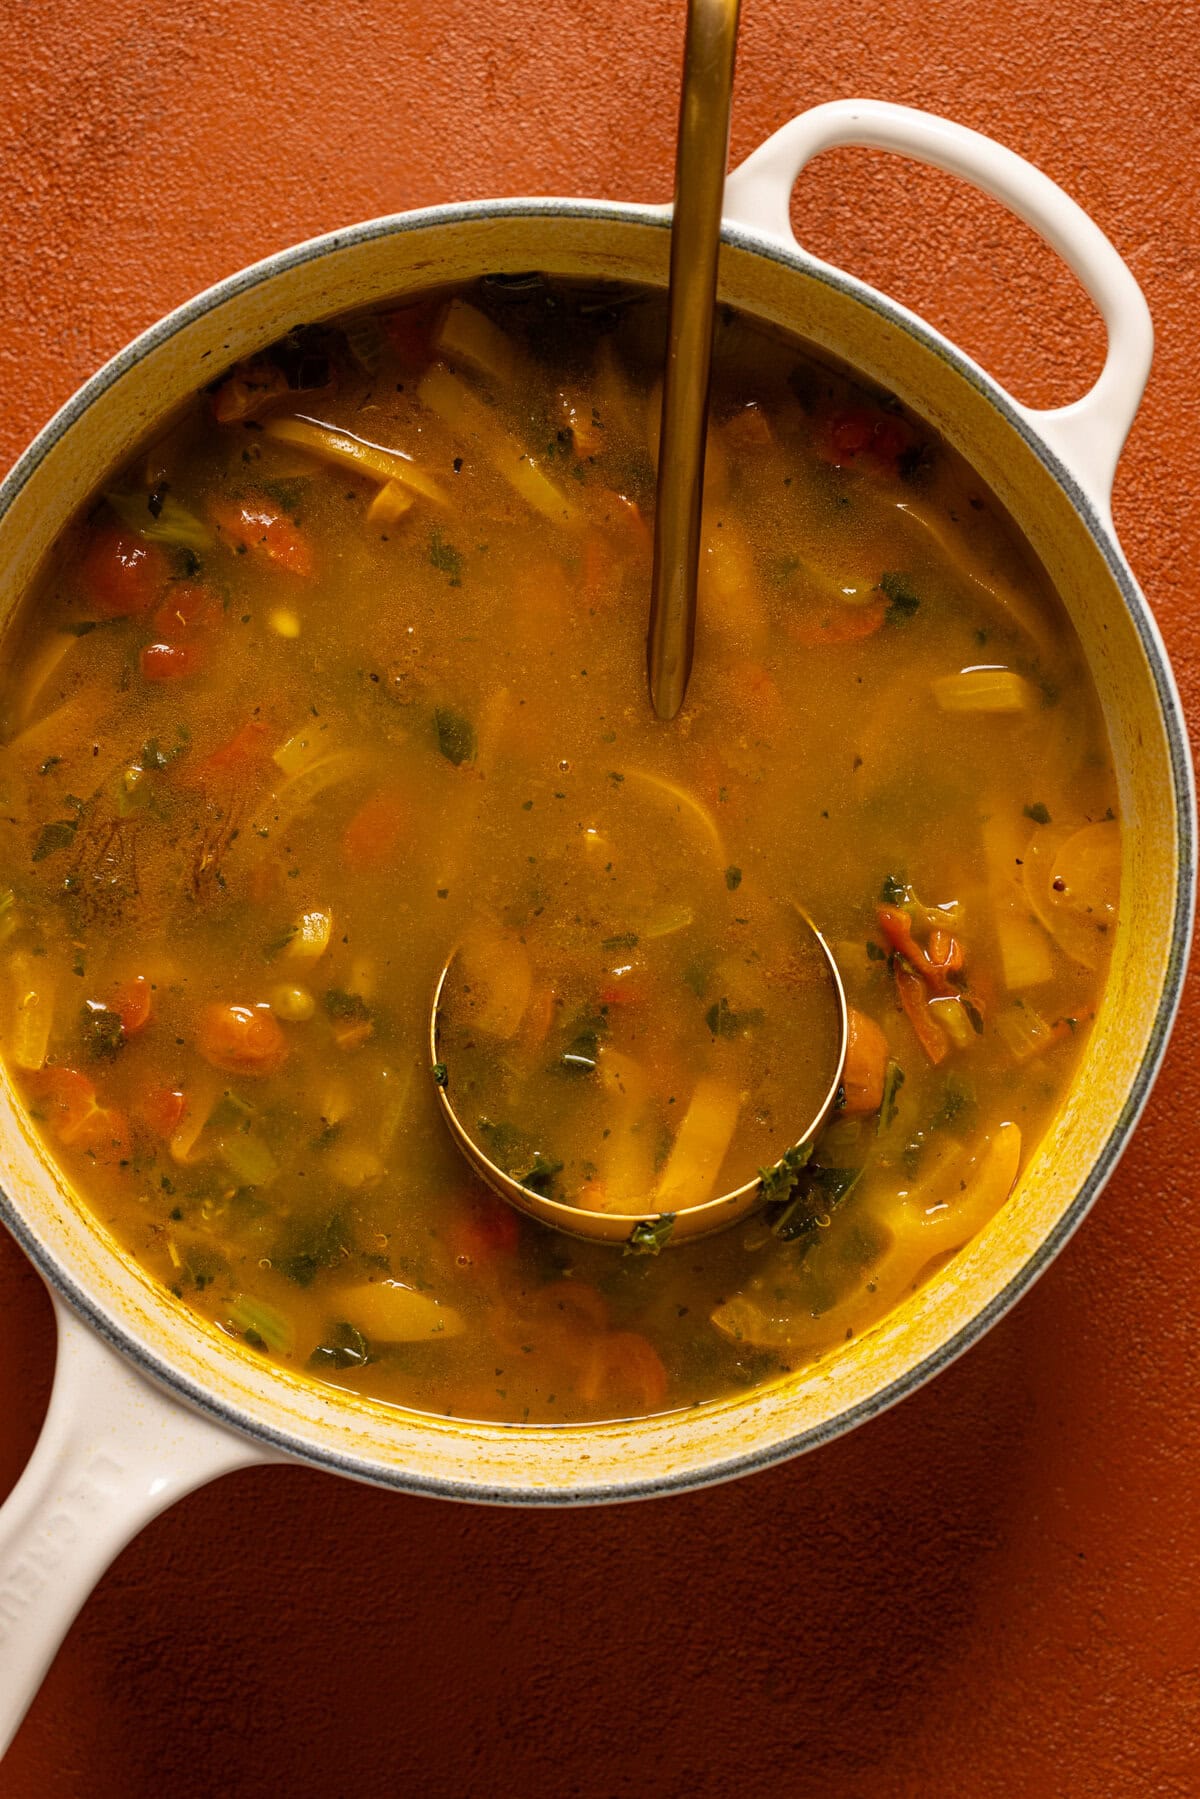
x=148 y=1403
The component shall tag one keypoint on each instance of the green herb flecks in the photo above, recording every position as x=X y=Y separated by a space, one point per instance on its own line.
x=893 y=1080
x=441 y=1075
x=1038 y=813
x=650 y=1236
x=894 y=890
x=455 y=736
x=902 y=601
x=733 y=878
x=345 y=1347
x=539 y=1177
x=59 y=835
x=103 y=1034
x=339 y=1004
x=446 y=559
x=778 y=1183
x=305 y=1248
x=819 y=1192
x=723 y=1021
x=957 y=1102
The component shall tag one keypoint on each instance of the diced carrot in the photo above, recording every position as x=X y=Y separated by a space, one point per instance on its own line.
x=162 y=1110
x=65 y=1096
x=248 y=390
x=187 y=609
x=132 y=999
x=256 y=524
x=865 y=431
x=945 y=952
x=624 y=993
x=172 y=661
x=75 y=1118
x=235 y=761
x=372 y=835
x=865 y=1066
x=911 y=992
x=845 y=624
x=748 y=429
x=352 y=1033
x=752 y=686
x=574 y=1302
x=241 y=1039
x=627 y=518
x=122 y=575
x=490 y=1229
x=409 y=330
x=896 y=926
x=104 y=1135
x=624 y=1370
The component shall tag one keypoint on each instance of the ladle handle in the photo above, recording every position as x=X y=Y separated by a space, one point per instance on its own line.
x=1088 y=435
x=113 y=1453
x=703 y=151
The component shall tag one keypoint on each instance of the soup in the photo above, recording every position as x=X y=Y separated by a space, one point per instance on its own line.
x=345 y=672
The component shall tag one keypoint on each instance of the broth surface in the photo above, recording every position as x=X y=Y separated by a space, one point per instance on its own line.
x=347 y=670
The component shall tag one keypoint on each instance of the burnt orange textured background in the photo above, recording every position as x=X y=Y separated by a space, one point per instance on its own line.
x=992 y=1590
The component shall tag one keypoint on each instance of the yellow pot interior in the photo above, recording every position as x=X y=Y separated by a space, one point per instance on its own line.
x=489 y=1461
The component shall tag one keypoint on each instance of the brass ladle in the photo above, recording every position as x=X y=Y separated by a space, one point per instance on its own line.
x=703 y=149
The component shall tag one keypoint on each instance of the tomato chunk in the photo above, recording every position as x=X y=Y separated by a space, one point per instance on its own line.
x=121 y=574
x=491 y=1229
x=257 y=525
x=189 y=608
x=374 y=832
x=132 y=999
x=865 y=1065
x=171 y=661
x=162 y=1110
x=64 y=1096
x=241 y=1039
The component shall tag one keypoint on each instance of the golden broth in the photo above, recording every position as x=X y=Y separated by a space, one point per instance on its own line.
x=349 y=668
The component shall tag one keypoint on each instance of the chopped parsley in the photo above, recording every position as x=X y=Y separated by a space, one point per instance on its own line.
x=650 y=1235
x=446 y=559
x=455 y=736
x=902 y=601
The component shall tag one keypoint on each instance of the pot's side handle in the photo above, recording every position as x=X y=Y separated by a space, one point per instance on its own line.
x=113 y=1453
x=1087 y=435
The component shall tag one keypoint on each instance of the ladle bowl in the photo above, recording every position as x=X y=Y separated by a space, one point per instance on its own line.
x=649 y=1228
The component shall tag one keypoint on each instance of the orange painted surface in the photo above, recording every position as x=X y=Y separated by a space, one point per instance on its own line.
x=992 y=1590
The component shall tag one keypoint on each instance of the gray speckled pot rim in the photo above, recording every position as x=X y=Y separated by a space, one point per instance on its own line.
x=730 y=1466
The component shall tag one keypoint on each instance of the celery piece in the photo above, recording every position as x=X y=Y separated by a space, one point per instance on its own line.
x=255 y=1318
x=159 y=518
x=249 y=1159
x=994 y=690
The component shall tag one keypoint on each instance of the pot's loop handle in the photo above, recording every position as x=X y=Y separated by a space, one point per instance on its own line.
x=113 y=1453
x=1088 y=434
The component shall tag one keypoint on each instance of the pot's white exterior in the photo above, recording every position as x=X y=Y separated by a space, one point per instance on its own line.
x=121 y=1442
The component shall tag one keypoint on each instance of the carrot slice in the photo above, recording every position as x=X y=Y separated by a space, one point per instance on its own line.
x=374 y=832
x=896 y=926
x=910 y=990
x=849 y=624
x=65 y=1096
x=241 y=1039
x=171 y=661
x=161 y=1111
x=256 y=524
x=865 y=1067
x=122 y=575
x=132 y=1000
